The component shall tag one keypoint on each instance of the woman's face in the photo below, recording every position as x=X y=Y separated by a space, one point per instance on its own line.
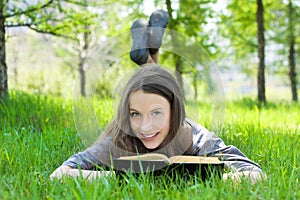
x=149 y=117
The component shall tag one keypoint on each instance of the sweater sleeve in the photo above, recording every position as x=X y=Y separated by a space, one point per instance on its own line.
x=206 y=143
x=98 y=155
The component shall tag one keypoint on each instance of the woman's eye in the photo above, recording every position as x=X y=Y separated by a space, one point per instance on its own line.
x=155 y=113
x=134 y=114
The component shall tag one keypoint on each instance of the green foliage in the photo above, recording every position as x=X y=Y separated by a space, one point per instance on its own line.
x=239 y=25
x=38 y=134
x=103 y=19
x=62 y=18
x=285 y=28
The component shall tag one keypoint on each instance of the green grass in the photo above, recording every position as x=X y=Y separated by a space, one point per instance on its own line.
x=38 y=133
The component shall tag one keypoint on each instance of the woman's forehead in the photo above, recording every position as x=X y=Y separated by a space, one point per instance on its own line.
x=140 y=99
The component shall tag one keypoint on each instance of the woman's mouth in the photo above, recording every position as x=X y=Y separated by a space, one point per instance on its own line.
x=149 y=137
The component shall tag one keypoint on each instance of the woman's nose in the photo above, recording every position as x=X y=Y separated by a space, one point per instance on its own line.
x=146 y=125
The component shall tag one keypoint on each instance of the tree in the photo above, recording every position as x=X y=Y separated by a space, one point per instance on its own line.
x=190 y=17
x=93 y=42
x=83 y=40
x=244 y=25
x=3 y=67
x=261 y=52
x=58 y=18
x=285 y=30
x=292 y=64
x=178 y=60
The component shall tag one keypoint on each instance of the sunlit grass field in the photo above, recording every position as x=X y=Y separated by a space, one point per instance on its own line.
x=38 y=133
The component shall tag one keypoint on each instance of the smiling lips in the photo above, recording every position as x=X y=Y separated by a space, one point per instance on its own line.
x=149 y=137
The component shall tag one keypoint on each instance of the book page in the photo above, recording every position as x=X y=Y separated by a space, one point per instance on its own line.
x=147 y=157
x=195 y=159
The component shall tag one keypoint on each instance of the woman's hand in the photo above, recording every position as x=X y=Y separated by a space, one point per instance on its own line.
x=61 y=171
x=65 y=170
x=253 y=176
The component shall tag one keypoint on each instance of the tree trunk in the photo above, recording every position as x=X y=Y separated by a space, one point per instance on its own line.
x=178 y=67
x=292 y=73
x=195 y=85
x=3 y=66
x=261 y=52
x=292 y=64
x=82 y=60
x=82 y=80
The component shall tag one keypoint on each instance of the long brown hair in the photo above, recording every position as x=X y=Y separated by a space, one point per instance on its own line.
x=150 y=79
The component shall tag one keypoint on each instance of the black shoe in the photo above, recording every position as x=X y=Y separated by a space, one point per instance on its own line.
x=158 y=22
x=139 y=52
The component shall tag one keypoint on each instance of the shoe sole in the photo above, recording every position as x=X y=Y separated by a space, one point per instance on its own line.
x=158 y=22
x=139 y=52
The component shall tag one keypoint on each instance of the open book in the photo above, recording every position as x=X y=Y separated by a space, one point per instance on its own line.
x=160 y=164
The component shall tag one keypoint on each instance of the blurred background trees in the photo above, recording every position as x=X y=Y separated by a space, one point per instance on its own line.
x=61 y=18
x=46 y=43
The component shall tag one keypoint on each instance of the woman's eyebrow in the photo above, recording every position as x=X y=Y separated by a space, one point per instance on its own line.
x=155 y=109
x=133 y=109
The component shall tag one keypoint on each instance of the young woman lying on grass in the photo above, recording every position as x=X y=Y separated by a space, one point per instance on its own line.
x=151 y=118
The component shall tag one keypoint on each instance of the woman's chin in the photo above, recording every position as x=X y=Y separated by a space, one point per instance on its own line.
x=151 y=145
